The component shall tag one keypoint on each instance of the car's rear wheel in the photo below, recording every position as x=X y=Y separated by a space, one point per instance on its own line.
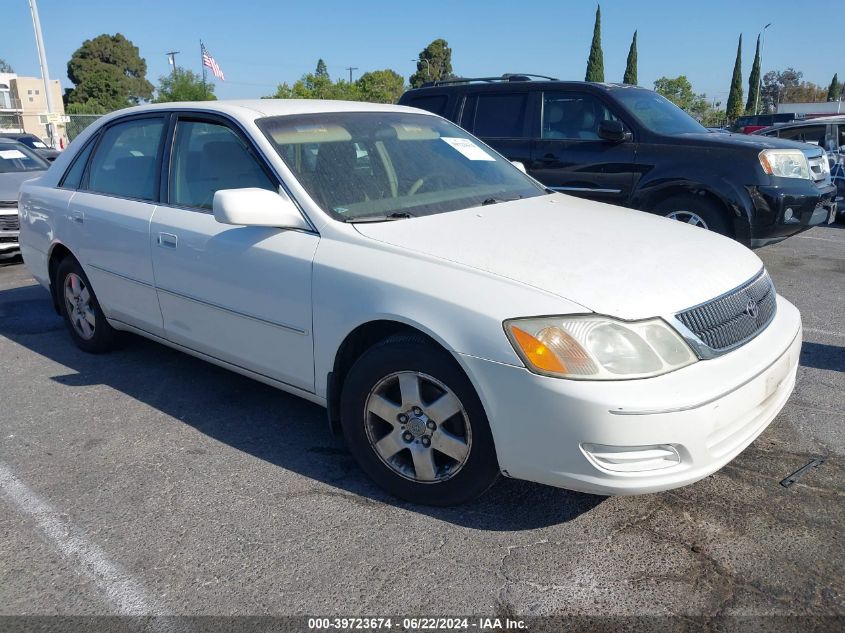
x=415 y=425
x=82 y=314
x=695 y=211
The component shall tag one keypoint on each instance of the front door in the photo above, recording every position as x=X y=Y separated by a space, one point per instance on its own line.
x=240 y=294
x=570 y=157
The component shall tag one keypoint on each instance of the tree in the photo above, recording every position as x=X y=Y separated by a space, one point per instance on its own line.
x=787 y=87
x=754 y=83
x=184 y=85
x=5 y=67
x=381 y=86
x=321 y=71
x=434 y=63
x=108 y=71
x=595 y=63
x=734 y=108
x=631 y=67
x=679 y=91
x=835 y=88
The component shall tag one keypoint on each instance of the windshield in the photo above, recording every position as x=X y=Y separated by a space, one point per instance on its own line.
x=386 y=165
x=657 y=113
x=17 y=157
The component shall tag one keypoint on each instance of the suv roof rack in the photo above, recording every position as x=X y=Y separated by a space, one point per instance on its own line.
x=504 y=77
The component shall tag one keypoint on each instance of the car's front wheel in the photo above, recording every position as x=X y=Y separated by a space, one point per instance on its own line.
x=415 y=425
x=82 y=314
x=695 y=211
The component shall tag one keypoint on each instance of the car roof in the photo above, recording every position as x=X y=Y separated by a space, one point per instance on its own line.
x=823 y=120
x=511 y=85
x=257 y=108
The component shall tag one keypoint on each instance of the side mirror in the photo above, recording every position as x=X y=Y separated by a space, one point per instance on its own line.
x=519 y=165
x=256 y=207
x=612 y=131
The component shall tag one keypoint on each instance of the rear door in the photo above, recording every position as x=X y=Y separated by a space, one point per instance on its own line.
x=503 y=120
x=570 y=157
x=109 y=217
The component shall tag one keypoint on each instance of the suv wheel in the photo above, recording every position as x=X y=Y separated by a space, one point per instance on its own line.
x=78 y=304
x=695 y=211
x=415 y=425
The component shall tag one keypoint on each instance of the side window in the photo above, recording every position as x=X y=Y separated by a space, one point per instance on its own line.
x=73 y=176
x=840 y=142
x=810 y=134
x=573 y=115
x=432 y=103
x=208 y=157
x=501 y=115
x=125 y=161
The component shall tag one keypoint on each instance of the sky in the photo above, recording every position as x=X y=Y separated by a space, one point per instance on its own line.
x=260 y=43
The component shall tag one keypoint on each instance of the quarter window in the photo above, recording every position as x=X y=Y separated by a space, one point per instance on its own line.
x=432 y=103
x=124 y=163
x=500 y=115
x=73 y=177
x=208 y=157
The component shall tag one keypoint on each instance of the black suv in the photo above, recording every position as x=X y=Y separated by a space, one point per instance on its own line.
x=630 y=146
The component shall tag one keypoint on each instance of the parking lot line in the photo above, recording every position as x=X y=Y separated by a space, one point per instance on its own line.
x=121 y=590
x=820 y=239
x=824 y=332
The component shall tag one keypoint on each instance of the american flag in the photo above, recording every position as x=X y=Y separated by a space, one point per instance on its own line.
x=208 y=60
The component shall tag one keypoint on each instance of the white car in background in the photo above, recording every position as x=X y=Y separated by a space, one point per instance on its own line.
x=456 y=319
x=17 y=164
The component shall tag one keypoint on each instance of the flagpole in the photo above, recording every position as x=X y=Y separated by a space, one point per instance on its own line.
x=202 y=66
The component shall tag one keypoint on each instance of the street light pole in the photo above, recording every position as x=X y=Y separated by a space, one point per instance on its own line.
x=45 y=74
x=760 y=86
x=427 y=66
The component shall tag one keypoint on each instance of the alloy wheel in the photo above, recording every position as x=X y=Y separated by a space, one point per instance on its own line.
x=688 y=217
x=79 y=308
x=418 y=427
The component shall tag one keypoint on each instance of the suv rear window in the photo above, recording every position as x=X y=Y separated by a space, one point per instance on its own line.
x=500 y=115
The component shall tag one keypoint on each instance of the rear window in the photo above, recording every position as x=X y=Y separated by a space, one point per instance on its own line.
x=431 y=103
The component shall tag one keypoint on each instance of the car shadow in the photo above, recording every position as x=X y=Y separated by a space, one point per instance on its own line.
x=271 y=425
x=823 y=356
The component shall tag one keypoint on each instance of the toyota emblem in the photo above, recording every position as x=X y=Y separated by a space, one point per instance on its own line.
x=751 y=309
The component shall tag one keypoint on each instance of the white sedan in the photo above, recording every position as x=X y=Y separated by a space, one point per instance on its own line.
x=455 y=318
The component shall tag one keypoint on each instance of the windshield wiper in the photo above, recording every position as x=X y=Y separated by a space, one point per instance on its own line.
x=498 y=200
x=393 y=215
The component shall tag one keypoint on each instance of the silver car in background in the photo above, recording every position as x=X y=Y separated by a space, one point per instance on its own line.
x=17 y=164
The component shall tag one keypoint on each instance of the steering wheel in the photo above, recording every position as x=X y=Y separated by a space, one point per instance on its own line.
x=426 y=182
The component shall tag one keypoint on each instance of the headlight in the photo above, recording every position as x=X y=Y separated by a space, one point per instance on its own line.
x=598 y=347
x=786 y=163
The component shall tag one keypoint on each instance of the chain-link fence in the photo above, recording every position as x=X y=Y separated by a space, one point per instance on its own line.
x=10 y=123
x=79 y=122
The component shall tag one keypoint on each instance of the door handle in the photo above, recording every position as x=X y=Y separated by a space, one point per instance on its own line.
x=76 y=216
x=167 y=240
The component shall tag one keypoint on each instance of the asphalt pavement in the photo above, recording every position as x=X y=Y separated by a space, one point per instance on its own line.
x=146 y=482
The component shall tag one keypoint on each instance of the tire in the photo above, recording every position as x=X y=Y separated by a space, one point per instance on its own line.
x=697 y=211
x=377 y=410
x=80 y=309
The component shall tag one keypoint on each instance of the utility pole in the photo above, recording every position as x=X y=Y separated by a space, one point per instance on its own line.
x=45 y=74
x=760 y=87
x=172 y=55
x=350 y=69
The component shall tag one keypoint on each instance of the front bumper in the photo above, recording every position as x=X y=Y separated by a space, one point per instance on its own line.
x=788 y=208
x=9 y=234
x=639 y=436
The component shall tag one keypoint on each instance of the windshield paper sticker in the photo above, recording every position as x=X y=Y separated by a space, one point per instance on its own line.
x=467 y=148
x=10 y=154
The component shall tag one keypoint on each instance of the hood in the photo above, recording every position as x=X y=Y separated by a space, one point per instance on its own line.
x=10 y=183
x=611 y=260
x=741 y=141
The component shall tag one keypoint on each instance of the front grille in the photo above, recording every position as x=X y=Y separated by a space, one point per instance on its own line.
x=8 y=204
x=735 y=317
x=817 y=167
x=10 y=222
x=8 y=239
